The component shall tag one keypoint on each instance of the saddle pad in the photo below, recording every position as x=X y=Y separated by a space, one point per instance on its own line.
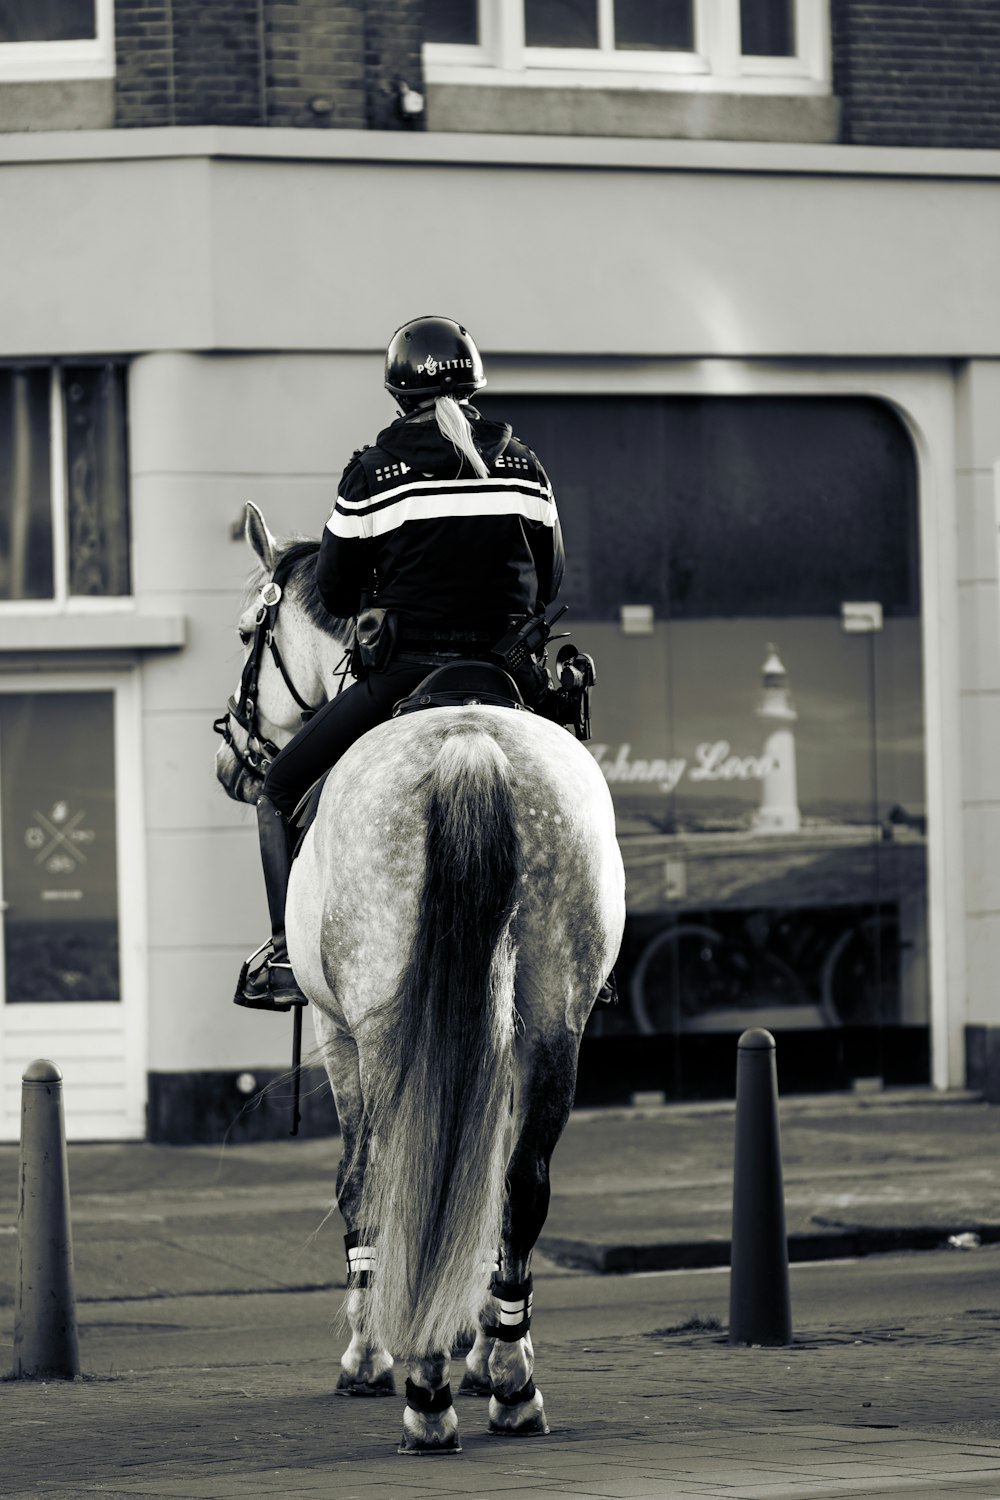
x=461 y=682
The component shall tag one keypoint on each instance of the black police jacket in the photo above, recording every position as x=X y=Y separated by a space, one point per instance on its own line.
x=445 y=549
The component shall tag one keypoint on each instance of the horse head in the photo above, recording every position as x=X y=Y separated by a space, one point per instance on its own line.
x=292 y=651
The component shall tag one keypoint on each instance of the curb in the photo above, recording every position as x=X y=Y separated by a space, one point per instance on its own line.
x=852 y=1243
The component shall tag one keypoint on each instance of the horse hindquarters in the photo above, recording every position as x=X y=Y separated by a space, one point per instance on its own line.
x=438 y=1064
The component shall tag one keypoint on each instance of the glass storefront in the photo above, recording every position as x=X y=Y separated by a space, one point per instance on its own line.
x=58 y=846
x=746 y=573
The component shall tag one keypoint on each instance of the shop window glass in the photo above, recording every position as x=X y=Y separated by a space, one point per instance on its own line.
x=25 y=485
x=64 y=502
x=767 y=28
x=667 y=26
x=766 y=761
x=58 y=847
x=47 y=20
x=719 y=507
x=560 y=23
x=452 y=21
x=719 y=40
x=634 y=25
x=96 y=479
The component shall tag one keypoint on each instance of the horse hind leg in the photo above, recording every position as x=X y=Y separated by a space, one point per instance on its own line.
x=516 y=1405
x=476 y=1380
x=549 y=1080
x=365 y=1368
x=430 y=1421
x=500 y=1368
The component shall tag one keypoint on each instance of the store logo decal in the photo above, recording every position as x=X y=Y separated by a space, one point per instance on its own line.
x=713 y=761
x=58 y=842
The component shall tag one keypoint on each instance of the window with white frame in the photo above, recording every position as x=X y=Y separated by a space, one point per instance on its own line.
x=43 y=39
x=761 y=45
x=64 y=501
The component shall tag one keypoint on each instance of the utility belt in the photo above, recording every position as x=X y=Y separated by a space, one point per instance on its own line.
x=380 y=639
x=520 y=650
x=447 y=643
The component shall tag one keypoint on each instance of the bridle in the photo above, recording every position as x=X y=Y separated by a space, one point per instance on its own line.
x=242 y=708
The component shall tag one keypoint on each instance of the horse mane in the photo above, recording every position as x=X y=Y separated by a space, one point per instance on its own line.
x=297 y=559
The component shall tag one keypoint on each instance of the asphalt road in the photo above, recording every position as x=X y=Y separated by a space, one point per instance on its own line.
x=878 y=1295
x=209 y=1286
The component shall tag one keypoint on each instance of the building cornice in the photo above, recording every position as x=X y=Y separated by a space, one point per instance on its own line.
x=554 y=153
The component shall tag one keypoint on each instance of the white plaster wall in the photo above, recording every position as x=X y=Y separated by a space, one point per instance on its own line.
x=978 y=517
x=208 y=433
x=242 y=239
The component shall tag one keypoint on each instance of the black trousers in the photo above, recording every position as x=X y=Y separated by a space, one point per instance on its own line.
x=334 y=728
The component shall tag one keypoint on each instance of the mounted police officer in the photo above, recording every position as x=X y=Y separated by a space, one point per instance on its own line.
x=444 y=532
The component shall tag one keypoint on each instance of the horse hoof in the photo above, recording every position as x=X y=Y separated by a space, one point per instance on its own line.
x=475 y=1385
x=411 y=1448
x=535 y=1426
x=504 y=1423
x=355 y=1385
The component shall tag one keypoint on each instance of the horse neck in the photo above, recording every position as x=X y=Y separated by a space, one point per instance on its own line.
x=313 y=656
x=319 y=658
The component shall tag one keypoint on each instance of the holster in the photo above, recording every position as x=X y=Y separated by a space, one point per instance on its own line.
x=374 y=641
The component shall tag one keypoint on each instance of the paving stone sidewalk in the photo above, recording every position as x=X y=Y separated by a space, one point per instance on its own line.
x=631 y=1189
x=846 y=1412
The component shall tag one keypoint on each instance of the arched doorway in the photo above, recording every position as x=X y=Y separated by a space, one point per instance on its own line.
x=746 y=572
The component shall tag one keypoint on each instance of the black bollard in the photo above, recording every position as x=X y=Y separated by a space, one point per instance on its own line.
x=45 y=1336
x=759 y=1303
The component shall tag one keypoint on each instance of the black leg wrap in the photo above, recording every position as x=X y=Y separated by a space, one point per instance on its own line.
x=515 y=1310
x=421 y=1399
x=524 y=1394
x=360 y=1259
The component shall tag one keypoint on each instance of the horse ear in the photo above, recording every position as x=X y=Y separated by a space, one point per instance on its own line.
x=259 y=537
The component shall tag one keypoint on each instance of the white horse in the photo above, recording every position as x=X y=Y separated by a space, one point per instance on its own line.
x=452 y=913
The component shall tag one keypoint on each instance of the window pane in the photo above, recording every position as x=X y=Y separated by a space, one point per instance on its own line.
x=665 y=26
x=47 y=20
x=717 y=502
x=560 y=23
x=97 y=479
x=771 y=816
x=25 y=490
x=60 y=876
x=454 y=21
x=767 y=28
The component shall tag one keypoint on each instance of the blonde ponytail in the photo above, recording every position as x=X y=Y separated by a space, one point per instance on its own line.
x=453 y=424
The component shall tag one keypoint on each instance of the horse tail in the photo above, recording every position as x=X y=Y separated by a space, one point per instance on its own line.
x=440 y=1058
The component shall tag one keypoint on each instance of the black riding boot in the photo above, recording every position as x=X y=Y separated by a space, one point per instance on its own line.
x=272 y=986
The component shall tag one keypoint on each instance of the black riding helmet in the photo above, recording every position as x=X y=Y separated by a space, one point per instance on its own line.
x=433 y=357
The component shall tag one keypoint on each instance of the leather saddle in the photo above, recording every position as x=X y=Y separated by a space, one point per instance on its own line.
x=458 y=683
x=453 y=685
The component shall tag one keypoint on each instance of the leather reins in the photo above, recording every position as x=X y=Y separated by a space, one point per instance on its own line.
x=242 y=707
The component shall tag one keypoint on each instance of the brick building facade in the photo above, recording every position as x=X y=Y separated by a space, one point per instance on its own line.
x=914 y=74
x=310 y=65
x=922 y=75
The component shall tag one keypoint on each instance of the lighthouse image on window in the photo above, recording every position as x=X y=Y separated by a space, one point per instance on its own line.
x=779 y=803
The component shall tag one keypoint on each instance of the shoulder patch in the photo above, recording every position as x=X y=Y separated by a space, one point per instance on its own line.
x=381 y=469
